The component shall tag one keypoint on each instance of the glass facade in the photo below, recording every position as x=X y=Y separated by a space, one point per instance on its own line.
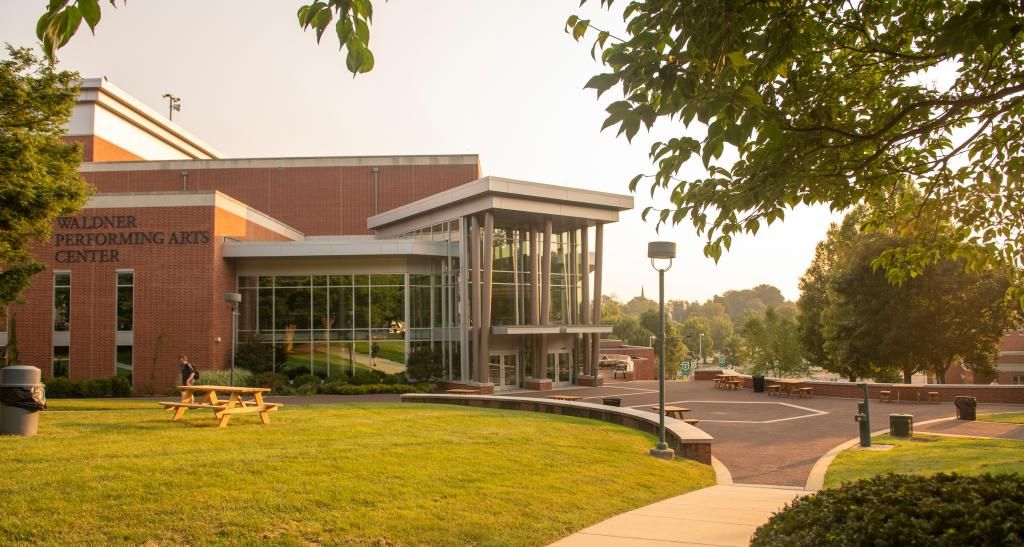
x=123 y=362
x=61 y=362
x=336 y=323
x=125 y=301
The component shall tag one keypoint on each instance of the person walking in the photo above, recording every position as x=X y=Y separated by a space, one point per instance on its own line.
x=188 y=371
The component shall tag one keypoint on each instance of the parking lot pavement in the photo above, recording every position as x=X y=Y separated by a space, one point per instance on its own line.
x=762 y=439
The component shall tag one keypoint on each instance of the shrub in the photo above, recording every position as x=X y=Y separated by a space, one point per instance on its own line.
x=944 y=509
x=255 y=355
x=270 y=380
x=424 y=363
x=363 y=376
x=306 y=380
x=66 y=388
x=223 y=377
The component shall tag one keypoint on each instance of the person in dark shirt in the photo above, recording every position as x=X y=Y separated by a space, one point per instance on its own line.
x=188 y=372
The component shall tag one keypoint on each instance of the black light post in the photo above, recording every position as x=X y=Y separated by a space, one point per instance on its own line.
x=233 y=298
x=661 y=254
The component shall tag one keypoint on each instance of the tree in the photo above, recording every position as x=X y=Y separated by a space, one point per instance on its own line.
x=742 y=303
x=352 y=19
x=832 y=103
x=638 y=305
x=675 y=349
x=857 y=324
x=39 y=178
x=11 y=356
x=773 y=345
x=631 y=332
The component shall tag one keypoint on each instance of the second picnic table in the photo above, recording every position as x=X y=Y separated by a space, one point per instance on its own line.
x=237 y=401
x=672 y=411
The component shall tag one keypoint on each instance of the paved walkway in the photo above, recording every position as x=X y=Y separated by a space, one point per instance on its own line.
x=720 y=515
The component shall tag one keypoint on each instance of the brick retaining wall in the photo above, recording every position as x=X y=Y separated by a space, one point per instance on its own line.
x=984 y=393
x=686 y=440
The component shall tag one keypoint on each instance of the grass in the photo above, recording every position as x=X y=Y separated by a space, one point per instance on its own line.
x=927 y=455
x=103 y=472
x=1003 y=418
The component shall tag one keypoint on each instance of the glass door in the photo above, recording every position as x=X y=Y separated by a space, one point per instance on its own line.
x=503 y=370
x=560 y=368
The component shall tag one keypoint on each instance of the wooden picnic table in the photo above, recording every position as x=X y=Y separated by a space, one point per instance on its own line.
x=788 y=385
x=462 y=391
x=225 y=401
x=911 y=389
x=672 y=411
x=566 y=397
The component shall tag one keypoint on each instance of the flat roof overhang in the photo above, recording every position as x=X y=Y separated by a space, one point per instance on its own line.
x=513 y=202
x=337 y=247
x=551 y=329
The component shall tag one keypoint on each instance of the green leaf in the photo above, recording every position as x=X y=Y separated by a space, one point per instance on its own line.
x=363 y=31
x=344 y=29
x=90 y=12
x=738 y=58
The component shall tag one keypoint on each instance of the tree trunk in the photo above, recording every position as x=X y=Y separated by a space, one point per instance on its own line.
x=907 y=375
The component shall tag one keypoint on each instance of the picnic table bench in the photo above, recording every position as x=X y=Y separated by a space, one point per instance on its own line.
x=672 y=411
x=237 y=401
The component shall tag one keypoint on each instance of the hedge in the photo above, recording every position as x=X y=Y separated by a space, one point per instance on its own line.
x=944 y=509
x=65 y=388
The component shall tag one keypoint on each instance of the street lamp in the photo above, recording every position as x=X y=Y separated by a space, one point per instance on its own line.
x=233 y=298
x=661 y=254
x=700 y=347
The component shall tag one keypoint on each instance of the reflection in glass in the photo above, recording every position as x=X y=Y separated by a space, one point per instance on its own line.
x=61 y=366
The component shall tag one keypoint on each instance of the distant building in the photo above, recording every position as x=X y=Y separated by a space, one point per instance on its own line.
x=1009 y=366
x=343 y=263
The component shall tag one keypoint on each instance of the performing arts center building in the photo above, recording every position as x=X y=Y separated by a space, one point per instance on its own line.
x=342 y=263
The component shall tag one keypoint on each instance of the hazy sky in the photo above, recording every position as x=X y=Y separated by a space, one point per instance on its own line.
x=499 y=79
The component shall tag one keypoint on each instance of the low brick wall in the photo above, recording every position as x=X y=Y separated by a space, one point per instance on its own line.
x=686 y=440
x=984 y=394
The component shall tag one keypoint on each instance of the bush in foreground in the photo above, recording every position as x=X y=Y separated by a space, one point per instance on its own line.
x=66 y=388
x=904 y=510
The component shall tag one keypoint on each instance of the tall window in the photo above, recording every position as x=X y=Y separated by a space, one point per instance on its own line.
x=61 y=301
x=61 y=361
x=125 y=301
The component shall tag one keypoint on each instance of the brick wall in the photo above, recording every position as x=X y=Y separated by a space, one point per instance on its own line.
x=178 y=294
x=645 y=362
x=1004 y=394
x=314 y=200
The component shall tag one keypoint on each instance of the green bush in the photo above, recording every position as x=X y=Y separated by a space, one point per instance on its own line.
x=270 y=380
x=944 y=509
x=306 y=380
x=66 y=388
x=223 y=377
x=424 y=363
x=363 y=377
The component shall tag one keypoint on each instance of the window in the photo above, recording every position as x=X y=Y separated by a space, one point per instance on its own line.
x=1018 y=380
x=123 y=362
x=125 y=301
x=61 y=301
x=61 y=361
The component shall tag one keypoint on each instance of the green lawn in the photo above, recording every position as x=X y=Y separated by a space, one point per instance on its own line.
x=927 y=455
x=327 y=474
x=1003 y=417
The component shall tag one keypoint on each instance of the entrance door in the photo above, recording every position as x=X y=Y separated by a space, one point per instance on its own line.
x=503 y=370
x=560 y=368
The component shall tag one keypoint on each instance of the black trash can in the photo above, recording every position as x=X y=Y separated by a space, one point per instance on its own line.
x=758 y=383
x=901 y=425
x=612 y=401
x=966 y=407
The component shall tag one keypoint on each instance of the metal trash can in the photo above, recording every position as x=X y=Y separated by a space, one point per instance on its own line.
x=758 y=383
x=612 y=401
x=22 y=397
x=901 y=425
x=966 y=407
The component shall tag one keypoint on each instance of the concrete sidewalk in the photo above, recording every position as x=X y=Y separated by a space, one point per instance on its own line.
x=719 y=515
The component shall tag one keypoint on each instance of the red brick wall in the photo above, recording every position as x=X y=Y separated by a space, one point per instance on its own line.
x=645 y=362
x=179 y=291
x=984 y=393
x=314 y=200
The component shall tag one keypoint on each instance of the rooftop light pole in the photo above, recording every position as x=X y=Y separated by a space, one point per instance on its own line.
x=173 y=104
x=661 y=254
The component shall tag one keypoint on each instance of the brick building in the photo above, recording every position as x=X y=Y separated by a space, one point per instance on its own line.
x=341 y=262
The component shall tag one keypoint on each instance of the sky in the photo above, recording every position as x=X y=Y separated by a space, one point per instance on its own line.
x=498 y=79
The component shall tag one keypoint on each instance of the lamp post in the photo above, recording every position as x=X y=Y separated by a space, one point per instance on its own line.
x=233 y=298
x=661 y=254
x=700 y=347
